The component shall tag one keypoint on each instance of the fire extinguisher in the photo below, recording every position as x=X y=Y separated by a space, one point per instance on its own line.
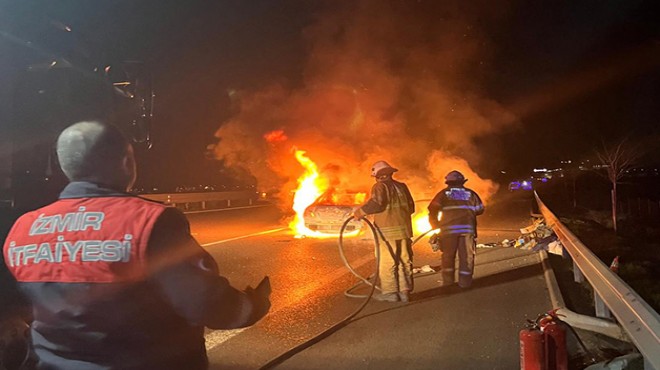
x=554 y=335
x=532 y=347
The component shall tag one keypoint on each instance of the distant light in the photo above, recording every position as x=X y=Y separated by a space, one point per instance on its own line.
x=505 y=171
x=545 y=179
x=525 y=183
x=53 y=63
x=67 y=28
x=540 y=170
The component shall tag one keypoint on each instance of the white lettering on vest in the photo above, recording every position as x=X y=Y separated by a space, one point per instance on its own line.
x=74 y=221
x=84 y=251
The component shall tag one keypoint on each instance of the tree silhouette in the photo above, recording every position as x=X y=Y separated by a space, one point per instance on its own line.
x=617 y=160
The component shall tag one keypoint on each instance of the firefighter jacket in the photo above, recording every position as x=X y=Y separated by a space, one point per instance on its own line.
x=459 y=207
x=392 y=207
x=117 y=282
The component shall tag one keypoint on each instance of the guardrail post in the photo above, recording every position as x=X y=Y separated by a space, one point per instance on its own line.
x=578 y=277
x=601 y=309
x=250 y=202
x=228 y=202
x=203 y=204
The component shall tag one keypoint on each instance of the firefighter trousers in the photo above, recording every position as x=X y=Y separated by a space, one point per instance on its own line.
x=395 y=268
x=464 y=246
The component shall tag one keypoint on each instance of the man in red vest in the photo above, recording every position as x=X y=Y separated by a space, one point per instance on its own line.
x=117 y=281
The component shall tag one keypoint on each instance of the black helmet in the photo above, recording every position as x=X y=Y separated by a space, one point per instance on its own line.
x=455 y=177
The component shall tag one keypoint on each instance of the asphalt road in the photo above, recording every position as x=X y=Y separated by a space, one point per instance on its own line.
x=308 y=281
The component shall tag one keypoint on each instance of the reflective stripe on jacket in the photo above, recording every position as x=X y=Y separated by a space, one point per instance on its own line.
x=459 y=207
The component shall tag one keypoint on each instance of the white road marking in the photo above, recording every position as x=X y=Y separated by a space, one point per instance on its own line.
x=227 y=209
x=217 y=337
x=244 y=236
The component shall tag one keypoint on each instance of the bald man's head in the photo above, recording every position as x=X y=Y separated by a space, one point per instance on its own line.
x=96 y=152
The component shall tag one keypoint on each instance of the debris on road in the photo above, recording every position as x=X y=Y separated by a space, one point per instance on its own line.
x=424 y=269
x=537 y=236
x=489 y=245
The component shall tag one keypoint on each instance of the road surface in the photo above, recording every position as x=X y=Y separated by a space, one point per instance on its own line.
x=476 y=328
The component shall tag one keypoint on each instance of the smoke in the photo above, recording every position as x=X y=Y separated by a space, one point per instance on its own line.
x=384 y=80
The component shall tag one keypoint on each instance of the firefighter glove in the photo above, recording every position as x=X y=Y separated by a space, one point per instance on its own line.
x=434 y=240
x=358 y=214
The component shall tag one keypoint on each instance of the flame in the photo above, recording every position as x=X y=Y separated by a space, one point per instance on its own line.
x=311 y=186
x=420 y=222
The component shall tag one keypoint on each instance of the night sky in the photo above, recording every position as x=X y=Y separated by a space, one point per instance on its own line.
x=575 y=74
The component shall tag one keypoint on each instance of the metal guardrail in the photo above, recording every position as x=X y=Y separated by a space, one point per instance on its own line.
x=203 y=197
x=639 y=320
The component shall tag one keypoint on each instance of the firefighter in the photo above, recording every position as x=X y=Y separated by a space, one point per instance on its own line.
x=392 y=206
x=117 y=281
x=460 y=207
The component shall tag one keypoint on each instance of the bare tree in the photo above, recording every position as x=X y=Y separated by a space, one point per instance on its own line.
x=617 y=160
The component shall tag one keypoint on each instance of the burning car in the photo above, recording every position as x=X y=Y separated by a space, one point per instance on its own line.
x=330 y=211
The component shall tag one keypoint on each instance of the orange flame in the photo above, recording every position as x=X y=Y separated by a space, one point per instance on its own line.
x=420 y=222
x=311 y=186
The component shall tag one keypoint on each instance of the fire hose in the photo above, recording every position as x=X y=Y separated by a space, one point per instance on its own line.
x=368 y=280
x=377 y=235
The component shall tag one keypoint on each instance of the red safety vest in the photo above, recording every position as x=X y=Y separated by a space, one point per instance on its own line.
x=83 y=240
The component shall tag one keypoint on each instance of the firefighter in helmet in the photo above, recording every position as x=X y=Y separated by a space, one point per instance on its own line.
x=460 y=207
x=392 y=206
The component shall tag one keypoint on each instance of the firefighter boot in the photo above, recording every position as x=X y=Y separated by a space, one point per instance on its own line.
x=386 y=297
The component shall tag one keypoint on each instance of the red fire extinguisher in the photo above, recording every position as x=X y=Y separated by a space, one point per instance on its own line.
x=532 y=347
x=554 y=335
